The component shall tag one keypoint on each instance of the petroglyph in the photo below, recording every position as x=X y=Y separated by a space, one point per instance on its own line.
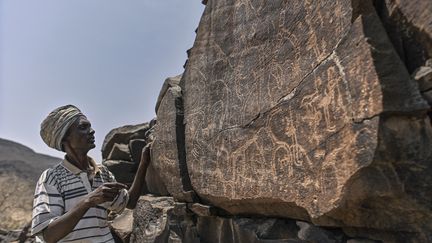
x=276 y=94
x=276 y=52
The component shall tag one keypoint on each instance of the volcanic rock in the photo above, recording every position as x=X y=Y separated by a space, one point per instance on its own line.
x=154 y=183
x=160 y=219
x=168 y=149
x=302 y=109
x=135 y=148
x=122 y=135
x=169 y=82
x=122 y=225
x=119 y=152
x=124 y=171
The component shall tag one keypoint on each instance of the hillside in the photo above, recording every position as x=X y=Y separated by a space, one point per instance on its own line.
x=20 y=167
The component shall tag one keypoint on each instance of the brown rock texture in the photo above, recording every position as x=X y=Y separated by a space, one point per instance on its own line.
x=168 y=150
x=122 y=135
x=123 y=171
x=119 y=152
x=125 y=145
x=305 y=110
x=409 y=26
x=154 y=183
x=121 y=226
x=162 y=219
x=169 y=82
x=135 y=148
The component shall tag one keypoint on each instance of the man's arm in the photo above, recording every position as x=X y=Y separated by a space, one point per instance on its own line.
x=63 y=225
x=139 y=180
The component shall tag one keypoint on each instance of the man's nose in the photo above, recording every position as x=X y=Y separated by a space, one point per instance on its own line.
x=92 y=131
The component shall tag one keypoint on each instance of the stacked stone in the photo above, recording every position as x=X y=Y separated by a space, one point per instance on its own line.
x=121 y=153
x=162 y=219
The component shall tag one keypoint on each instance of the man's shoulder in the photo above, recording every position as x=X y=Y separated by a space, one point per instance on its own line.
x=51 y=173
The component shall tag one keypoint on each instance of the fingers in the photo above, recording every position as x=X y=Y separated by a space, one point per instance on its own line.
x=115 y=185
x=109 y=196
x=109 y=193
x=106 y=192
x=145 y=154
x=145 y=150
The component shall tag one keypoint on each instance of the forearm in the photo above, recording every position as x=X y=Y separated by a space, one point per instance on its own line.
x=138 y=183
x=62 y=226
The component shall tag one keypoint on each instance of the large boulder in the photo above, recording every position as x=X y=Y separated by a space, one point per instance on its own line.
x=119 y=152
x=121 y=226
x=300 y=109
x=122 y=135
x=124 y=171
x=154 y=183
x=135 y=148
x=169 y=82
x=168 y=149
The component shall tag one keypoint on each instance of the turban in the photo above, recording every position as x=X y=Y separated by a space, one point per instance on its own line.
x=55 y=126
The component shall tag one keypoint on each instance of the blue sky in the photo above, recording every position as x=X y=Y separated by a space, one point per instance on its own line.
x=108 y=57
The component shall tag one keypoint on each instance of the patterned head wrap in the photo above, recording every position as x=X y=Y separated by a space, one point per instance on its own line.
x=55 y=126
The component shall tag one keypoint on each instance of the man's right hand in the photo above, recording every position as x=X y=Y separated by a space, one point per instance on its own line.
x=104 y=193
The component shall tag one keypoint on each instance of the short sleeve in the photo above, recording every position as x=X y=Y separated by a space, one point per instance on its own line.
x=48 y=203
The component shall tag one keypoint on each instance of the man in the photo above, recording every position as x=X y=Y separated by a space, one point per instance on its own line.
x=72 y=199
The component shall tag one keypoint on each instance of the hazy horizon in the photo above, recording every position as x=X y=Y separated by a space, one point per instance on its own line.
x=109 y=58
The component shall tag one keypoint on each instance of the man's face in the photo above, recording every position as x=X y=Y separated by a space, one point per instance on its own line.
x=80 y=136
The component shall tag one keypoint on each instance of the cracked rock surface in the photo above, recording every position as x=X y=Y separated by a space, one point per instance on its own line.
x=297 y=121
x=305 y=109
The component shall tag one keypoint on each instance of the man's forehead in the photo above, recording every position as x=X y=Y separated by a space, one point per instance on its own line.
x=82 y=120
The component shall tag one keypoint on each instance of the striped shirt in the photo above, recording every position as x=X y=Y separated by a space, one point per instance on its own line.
x=59 y=189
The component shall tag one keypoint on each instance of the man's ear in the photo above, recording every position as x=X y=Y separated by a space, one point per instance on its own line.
x=64 y=143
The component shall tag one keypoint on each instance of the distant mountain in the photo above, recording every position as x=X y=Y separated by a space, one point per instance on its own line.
x=20 y=168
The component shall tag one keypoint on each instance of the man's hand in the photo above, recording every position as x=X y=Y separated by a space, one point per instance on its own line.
x=139 y=181
x=145 y=155
x=62 y=226
x=104 y=193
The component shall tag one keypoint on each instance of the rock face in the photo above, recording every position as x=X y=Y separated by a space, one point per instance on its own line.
x=168 y=150
x=120 y=152
x=308 y=110
x=125 y=146
x=161 y=219
x=169 y=83
x=124 y=171
x=122 y=135
x=121 y=226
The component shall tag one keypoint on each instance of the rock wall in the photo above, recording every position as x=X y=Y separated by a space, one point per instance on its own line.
x=304 y=111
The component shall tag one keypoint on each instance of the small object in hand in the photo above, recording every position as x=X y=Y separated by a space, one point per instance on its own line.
x=120 y=201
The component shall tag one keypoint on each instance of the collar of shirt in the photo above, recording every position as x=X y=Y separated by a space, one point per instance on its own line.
x=75 y=170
